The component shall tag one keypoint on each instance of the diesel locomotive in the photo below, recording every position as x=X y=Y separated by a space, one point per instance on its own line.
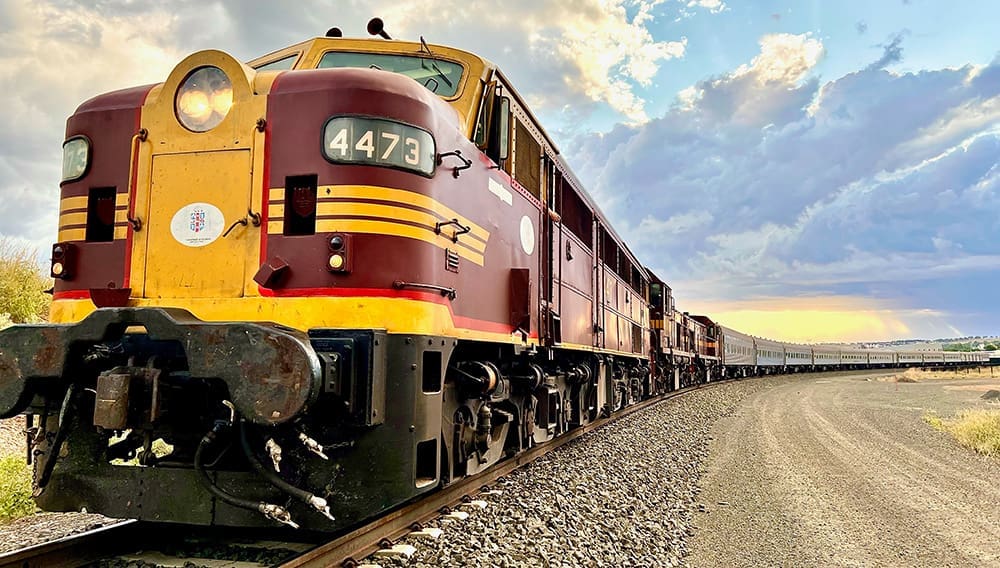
x=311 y=287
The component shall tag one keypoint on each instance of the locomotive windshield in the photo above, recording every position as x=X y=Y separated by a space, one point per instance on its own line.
x=440 y=76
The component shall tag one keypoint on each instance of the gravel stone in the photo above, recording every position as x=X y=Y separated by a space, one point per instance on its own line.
x=845 y=472
x=41 y=527
x=46 y=527
x=12 y=441
x=623 y=495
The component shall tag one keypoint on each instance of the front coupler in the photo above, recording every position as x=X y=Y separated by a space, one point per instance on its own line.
x=272 y=372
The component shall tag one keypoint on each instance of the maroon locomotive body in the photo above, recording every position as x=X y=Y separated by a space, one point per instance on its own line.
x=312 y=287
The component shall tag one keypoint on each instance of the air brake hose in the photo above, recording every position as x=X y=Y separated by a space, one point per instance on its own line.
x=271 y=511
x=272 y=477
x=210 y=485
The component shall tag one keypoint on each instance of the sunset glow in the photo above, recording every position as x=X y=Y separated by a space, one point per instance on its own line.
x=827 y=320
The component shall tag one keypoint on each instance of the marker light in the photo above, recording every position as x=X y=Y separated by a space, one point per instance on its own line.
x=204 y=99
x=336 y=262
x=63 y=261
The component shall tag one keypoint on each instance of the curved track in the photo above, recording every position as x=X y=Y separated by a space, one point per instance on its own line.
x=123 y=539
x=355 y=546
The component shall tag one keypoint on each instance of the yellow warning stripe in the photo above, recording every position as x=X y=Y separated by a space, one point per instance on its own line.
x=67 y=219
x=78 y=205
x=388 y=213
x=71 y=235
x=387 y=227
x=395 y=315
x=67 y=203
x=396 y=220
x=388 y=194
x=581 y=347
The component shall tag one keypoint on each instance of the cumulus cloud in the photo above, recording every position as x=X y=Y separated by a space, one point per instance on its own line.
x=577 y=54
x=869 y=183
x=55 y=54
x=48 y=67
x=757 y=93
x=714 y=6
x=654 y=230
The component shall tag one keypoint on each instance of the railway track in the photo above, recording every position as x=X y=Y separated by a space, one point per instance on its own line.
x=155 y=545
x=73 y=550
x=350 y=549
x=136 y=544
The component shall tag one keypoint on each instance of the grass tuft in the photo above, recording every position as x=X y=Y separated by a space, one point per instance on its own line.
x=978 y=429
x=15 y=489
x=935 y=422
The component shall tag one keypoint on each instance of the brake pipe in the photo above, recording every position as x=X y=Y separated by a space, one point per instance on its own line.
x=269 y=510
x=306 y=497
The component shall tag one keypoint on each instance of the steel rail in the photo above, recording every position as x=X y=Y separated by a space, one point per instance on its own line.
x=351 y=548
x=73 y=550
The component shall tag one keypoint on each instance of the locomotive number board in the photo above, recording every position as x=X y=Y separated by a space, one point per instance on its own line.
x=378 y=142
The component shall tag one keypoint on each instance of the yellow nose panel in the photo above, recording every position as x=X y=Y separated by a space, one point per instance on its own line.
x=194 y=200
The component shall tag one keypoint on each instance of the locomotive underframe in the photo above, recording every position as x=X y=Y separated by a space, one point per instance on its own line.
x=447 y=409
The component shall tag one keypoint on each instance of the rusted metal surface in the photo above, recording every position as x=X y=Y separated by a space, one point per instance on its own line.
x=272 y=372
x=111 y=404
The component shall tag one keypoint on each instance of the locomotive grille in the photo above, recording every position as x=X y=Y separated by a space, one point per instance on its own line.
x=450 y=260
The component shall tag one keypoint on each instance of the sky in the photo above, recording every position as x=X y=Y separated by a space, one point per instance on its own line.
x=803 y=170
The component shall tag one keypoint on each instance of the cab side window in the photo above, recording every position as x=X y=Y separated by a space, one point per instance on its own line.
x=527 y=159
x=493 y=127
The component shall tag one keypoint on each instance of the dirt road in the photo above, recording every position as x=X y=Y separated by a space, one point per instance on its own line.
x=840 y=470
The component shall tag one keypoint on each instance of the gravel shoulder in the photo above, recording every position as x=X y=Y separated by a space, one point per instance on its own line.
x=841 y=470
x=620 y=496
x=40 y=527
x=12 y=437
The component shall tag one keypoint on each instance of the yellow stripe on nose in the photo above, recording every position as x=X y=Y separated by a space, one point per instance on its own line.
x=406 y=214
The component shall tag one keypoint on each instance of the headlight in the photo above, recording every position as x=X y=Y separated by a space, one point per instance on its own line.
x=204 y=99
x=378 y=142
x=76 y=158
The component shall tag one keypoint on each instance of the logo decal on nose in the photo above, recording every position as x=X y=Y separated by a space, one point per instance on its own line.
x=197 y=220
x=197 y=224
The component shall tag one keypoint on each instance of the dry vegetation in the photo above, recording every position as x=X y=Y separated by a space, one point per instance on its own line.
x=921 y=375
x=22 y=285
x=978 y=429
x=22 y=300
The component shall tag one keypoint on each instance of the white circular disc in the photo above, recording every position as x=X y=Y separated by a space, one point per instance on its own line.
x=527 y=235
x=197 y=224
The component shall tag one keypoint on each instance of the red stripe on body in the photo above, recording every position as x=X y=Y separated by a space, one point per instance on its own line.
x=72 y=295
